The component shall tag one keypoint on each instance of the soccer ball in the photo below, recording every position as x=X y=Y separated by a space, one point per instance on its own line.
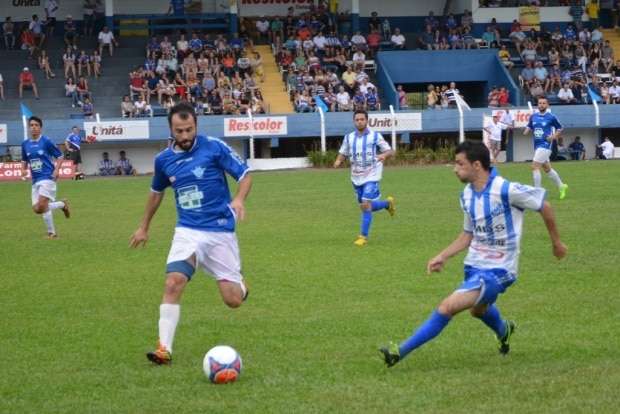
x=222 y=364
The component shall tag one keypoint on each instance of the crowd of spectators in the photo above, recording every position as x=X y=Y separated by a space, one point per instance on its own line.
x=215 y=74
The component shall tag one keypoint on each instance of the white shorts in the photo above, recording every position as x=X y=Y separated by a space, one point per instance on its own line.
x=495 y=145
x=216 y=252
x=45 y=188
x=542 y=155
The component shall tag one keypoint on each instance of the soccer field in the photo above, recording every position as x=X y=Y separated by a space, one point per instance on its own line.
x=80 y=312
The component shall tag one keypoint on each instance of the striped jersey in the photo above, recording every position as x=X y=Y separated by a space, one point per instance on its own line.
x=361 y=149
x=494 y=217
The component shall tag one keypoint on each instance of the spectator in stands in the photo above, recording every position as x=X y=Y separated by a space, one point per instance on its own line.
x=607 y=149
x=88 y=109
x=143 y=108
x=70 y=36
x=493 y=97
x=128 y=109
x=95 y=61
x=71 y=91
x=451 y=93
x=44 y=65
x=576 y=12
x=402 y=97
x=182 y=48
x=83 y=62
x=427 y=38
x=529 y=54
x=504 y=97
x=276 y=31
x=26 y=80
x=517 y=36
x=359 y=41
x=614 y=92
x=374 y=23
x=88 y=11
x=489 y=38
x=28 y=42
x=82 y=89
x=397 y=39
x=262 y=29
x=469 y=42
x=555 y=77
x=359 y=59
x=504 y=56
x=542 y=75
x=68 y=59
x=36 y=28
x=592 y=9
x=536 y=89
x=106 y=39
x=343 y=100
x=565 y=95
x=137 y=83
x=359 y=101
x=1 y=87
x=372 y=99
x=123 y=165
x=8 y=32
x=349 y=80
x=607 y=56
x=432 y=97
x=106 y=165
x=527 y=75
x=50 y=8
x=214 y=100
x=577 y=150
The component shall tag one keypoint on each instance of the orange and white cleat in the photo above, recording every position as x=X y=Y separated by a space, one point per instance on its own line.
x=161 y=356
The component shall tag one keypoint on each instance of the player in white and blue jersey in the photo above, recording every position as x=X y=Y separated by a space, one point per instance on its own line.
x=195 y=167
x=73 y=148
x=493 y=209
x=41 y=155
x=546 y=128
x=366 y=151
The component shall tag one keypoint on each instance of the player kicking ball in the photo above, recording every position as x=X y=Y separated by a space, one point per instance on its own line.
x=493 y=211
x=195 y=166
x=43 y=157
x=360 y=147
x=546 y=129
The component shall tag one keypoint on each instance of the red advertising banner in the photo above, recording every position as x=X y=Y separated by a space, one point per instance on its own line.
x=12 y=171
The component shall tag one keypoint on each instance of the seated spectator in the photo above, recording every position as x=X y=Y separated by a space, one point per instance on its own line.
x=28 y=42
x=137 y=83
x=229 y=104
x=214 y=101
x=489 y=38
x=303 y=102
x=607 y=56
x=536 y=89
x=36 y=28
x=128 y=109
x=517 y=36
x=1 y=87
x=504 y=97
x=182 y=48
x=614 y=92
x=8 y=32
x=374 y=42
x=493 y=97
x=83 y=62
x=577 y=150
x=468 y=40
x=402 y=97
x=359 y=59
x=71 y=91
x=106 y=165
x=541 y=74
x=26 y=80
x=451 y=93
x=427 y=39
x=70 y=36
x=123 y=165
x=95 y=62
x=276 y=31
x=44 y=65
x=153 y=47
x=397 y=39
x=349 y=79
x=168 y=103
x=527 y=75
x=88 y=109
x=359 y=41
x=504 y=56
x=372 y=100
x=359 y=101
x=142 y=107
x=565 y=95
x=529 y=54
x=106 y=39
x=82 y=89
x=343 y=100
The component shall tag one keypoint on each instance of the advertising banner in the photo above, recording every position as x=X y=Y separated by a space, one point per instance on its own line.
x=3 y=134
x=116 y=130
x=411 y=121
x=263 y=126
x=529 y=18
x=12 y=171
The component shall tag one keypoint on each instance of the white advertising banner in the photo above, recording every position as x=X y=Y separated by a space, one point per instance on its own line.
x=409 y=121
x=263 y=126
x=3 y=134
x=22 y=10
x=520 y=116
x=272 y=7
x=116 y=130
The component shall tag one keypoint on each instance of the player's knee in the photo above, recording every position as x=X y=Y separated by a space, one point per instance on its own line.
x=364 y=206
x=446 y=308
x=233 y=301
x=477 y=311
x=38 y=209
x=175 y=284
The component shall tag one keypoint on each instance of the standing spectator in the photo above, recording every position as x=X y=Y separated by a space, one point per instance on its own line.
x=106 y=38
x=36 y=28
x=26 y=80
x=576 y=12
x=88 y=10
x=73 y=144
x=494 y=129
x=1 y=87
x=95 y=61
x=503 y=97
x=276 y=33
x=397 y=39
x=402 y=97
x=432 y=98
x=8 y=30
x=51 y=7
x=577 y=150
x=123 y=165
x=374 y=23
x=106 y=165
x=128 y=109
x=88 y=109
x=262 y=29
x=68 y=59
x=70 y=36
x=592 y=9
x=451 y=94
x=607 y=149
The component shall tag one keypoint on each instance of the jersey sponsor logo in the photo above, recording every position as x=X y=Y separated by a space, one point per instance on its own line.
x=184 y=160
x=190 y=198
x=489 y=254
x=498 y=228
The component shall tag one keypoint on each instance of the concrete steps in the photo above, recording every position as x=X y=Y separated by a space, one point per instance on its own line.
x=273 y=88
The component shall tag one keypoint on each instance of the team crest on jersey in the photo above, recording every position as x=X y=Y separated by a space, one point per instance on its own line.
x=40 y=152
x=198 y=172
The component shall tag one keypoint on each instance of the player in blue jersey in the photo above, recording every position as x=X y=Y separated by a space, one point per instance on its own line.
x=546 y=128
x=366 y=151
x=73 y=144
x=41 y=155
x=194 y=166
x=493 y=218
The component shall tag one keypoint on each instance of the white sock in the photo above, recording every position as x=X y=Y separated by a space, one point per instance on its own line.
x=56 y=204
x=48 y=218
x=555 y=177
x=537 y=178
x=168 y=320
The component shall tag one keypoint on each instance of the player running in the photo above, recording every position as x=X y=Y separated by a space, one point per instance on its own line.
x=43 y=157
x=493 y=208
x=360 y=146
x=195 y=166
x=546 y=129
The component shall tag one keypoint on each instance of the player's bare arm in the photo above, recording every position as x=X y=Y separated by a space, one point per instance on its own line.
x=141 y=236
x=24 y=172
x=461 y=243
x=385 y=155
x=339 y=159
x=559 y=248
x=237 y=204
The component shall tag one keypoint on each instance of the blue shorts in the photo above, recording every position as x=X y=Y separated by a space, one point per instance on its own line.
x=491 y=283
x=367 y=192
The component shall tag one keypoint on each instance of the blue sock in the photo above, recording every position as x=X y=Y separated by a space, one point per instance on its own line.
x=379 y=205
x=366 y=221
x=493 y=320
x=427 y=331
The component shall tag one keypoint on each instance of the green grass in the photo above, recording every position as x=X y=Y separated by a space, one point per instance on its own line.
x=79 y=313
